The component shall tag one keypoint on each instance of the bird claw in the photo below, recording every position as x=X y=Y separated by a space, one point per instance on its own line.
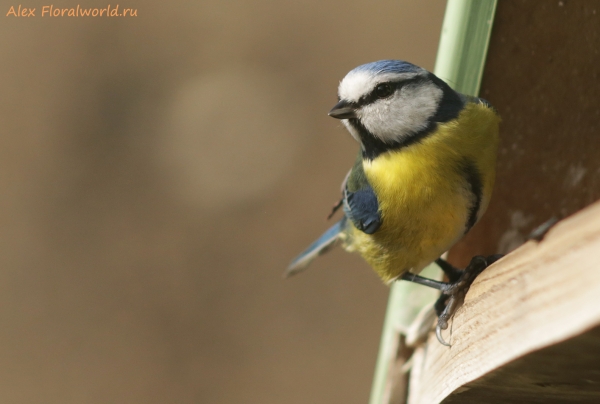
x=454 y=294
x=438 y=334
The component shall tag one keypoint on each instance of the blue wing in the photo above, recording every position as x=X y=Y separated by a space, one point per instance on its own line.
x=362 y=208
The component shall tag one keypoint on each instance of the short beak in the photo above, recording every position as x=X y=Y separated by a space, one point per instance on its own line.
x=343 y=110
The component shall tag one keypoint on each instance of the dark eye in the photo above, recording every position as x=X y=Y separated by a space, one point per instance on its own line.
x=383 y=90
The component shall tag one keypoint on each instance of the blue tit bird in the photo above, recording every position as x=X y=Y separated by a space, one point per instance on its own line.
x=422 y=178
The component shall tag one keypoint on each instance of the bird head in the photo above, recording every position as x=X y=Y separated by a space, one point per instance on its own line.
x=392 y=103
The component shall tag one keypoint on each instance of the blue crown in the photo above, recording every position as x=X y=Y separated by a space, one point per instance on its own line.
x=387 y=66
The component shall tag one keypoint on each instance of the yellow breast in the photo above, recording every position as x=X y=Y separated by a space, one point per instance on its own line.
x=423 y=196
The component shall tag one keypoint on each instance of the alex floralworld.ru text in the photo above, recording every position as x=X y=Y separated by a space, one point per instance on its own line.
x=51 y=11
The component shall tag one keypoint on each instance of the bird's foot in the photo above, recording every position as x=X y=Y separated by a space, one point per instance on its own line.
x=454 y=292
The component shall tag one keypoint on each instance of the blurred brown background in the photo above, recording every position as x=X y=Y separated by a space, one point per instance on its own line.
x=158 y=173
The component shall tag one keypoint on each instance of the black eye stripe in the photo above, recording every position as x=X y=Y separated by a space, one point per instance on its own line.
x=372 y=97
x=383 y=90
x=374 y=94
x=396 y=85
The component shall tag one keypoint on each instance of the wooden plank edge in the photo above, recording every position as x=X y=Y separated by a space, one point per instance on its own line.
x=540 y=294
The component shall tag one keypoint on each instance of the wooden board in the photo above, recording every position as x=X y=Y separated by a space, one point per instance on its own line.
x=539 y=295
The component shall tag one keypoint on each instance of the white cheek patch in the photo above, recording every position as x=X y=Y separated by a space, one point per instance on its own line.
x=406 y=113
x=358 y=84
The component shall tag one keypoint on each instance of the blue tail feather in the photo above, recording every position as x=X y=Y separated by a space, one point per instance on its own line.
x=322 y=245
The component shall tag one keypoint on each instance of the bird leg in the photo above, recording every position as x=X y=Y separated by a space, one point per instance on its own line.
x=454 y=291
